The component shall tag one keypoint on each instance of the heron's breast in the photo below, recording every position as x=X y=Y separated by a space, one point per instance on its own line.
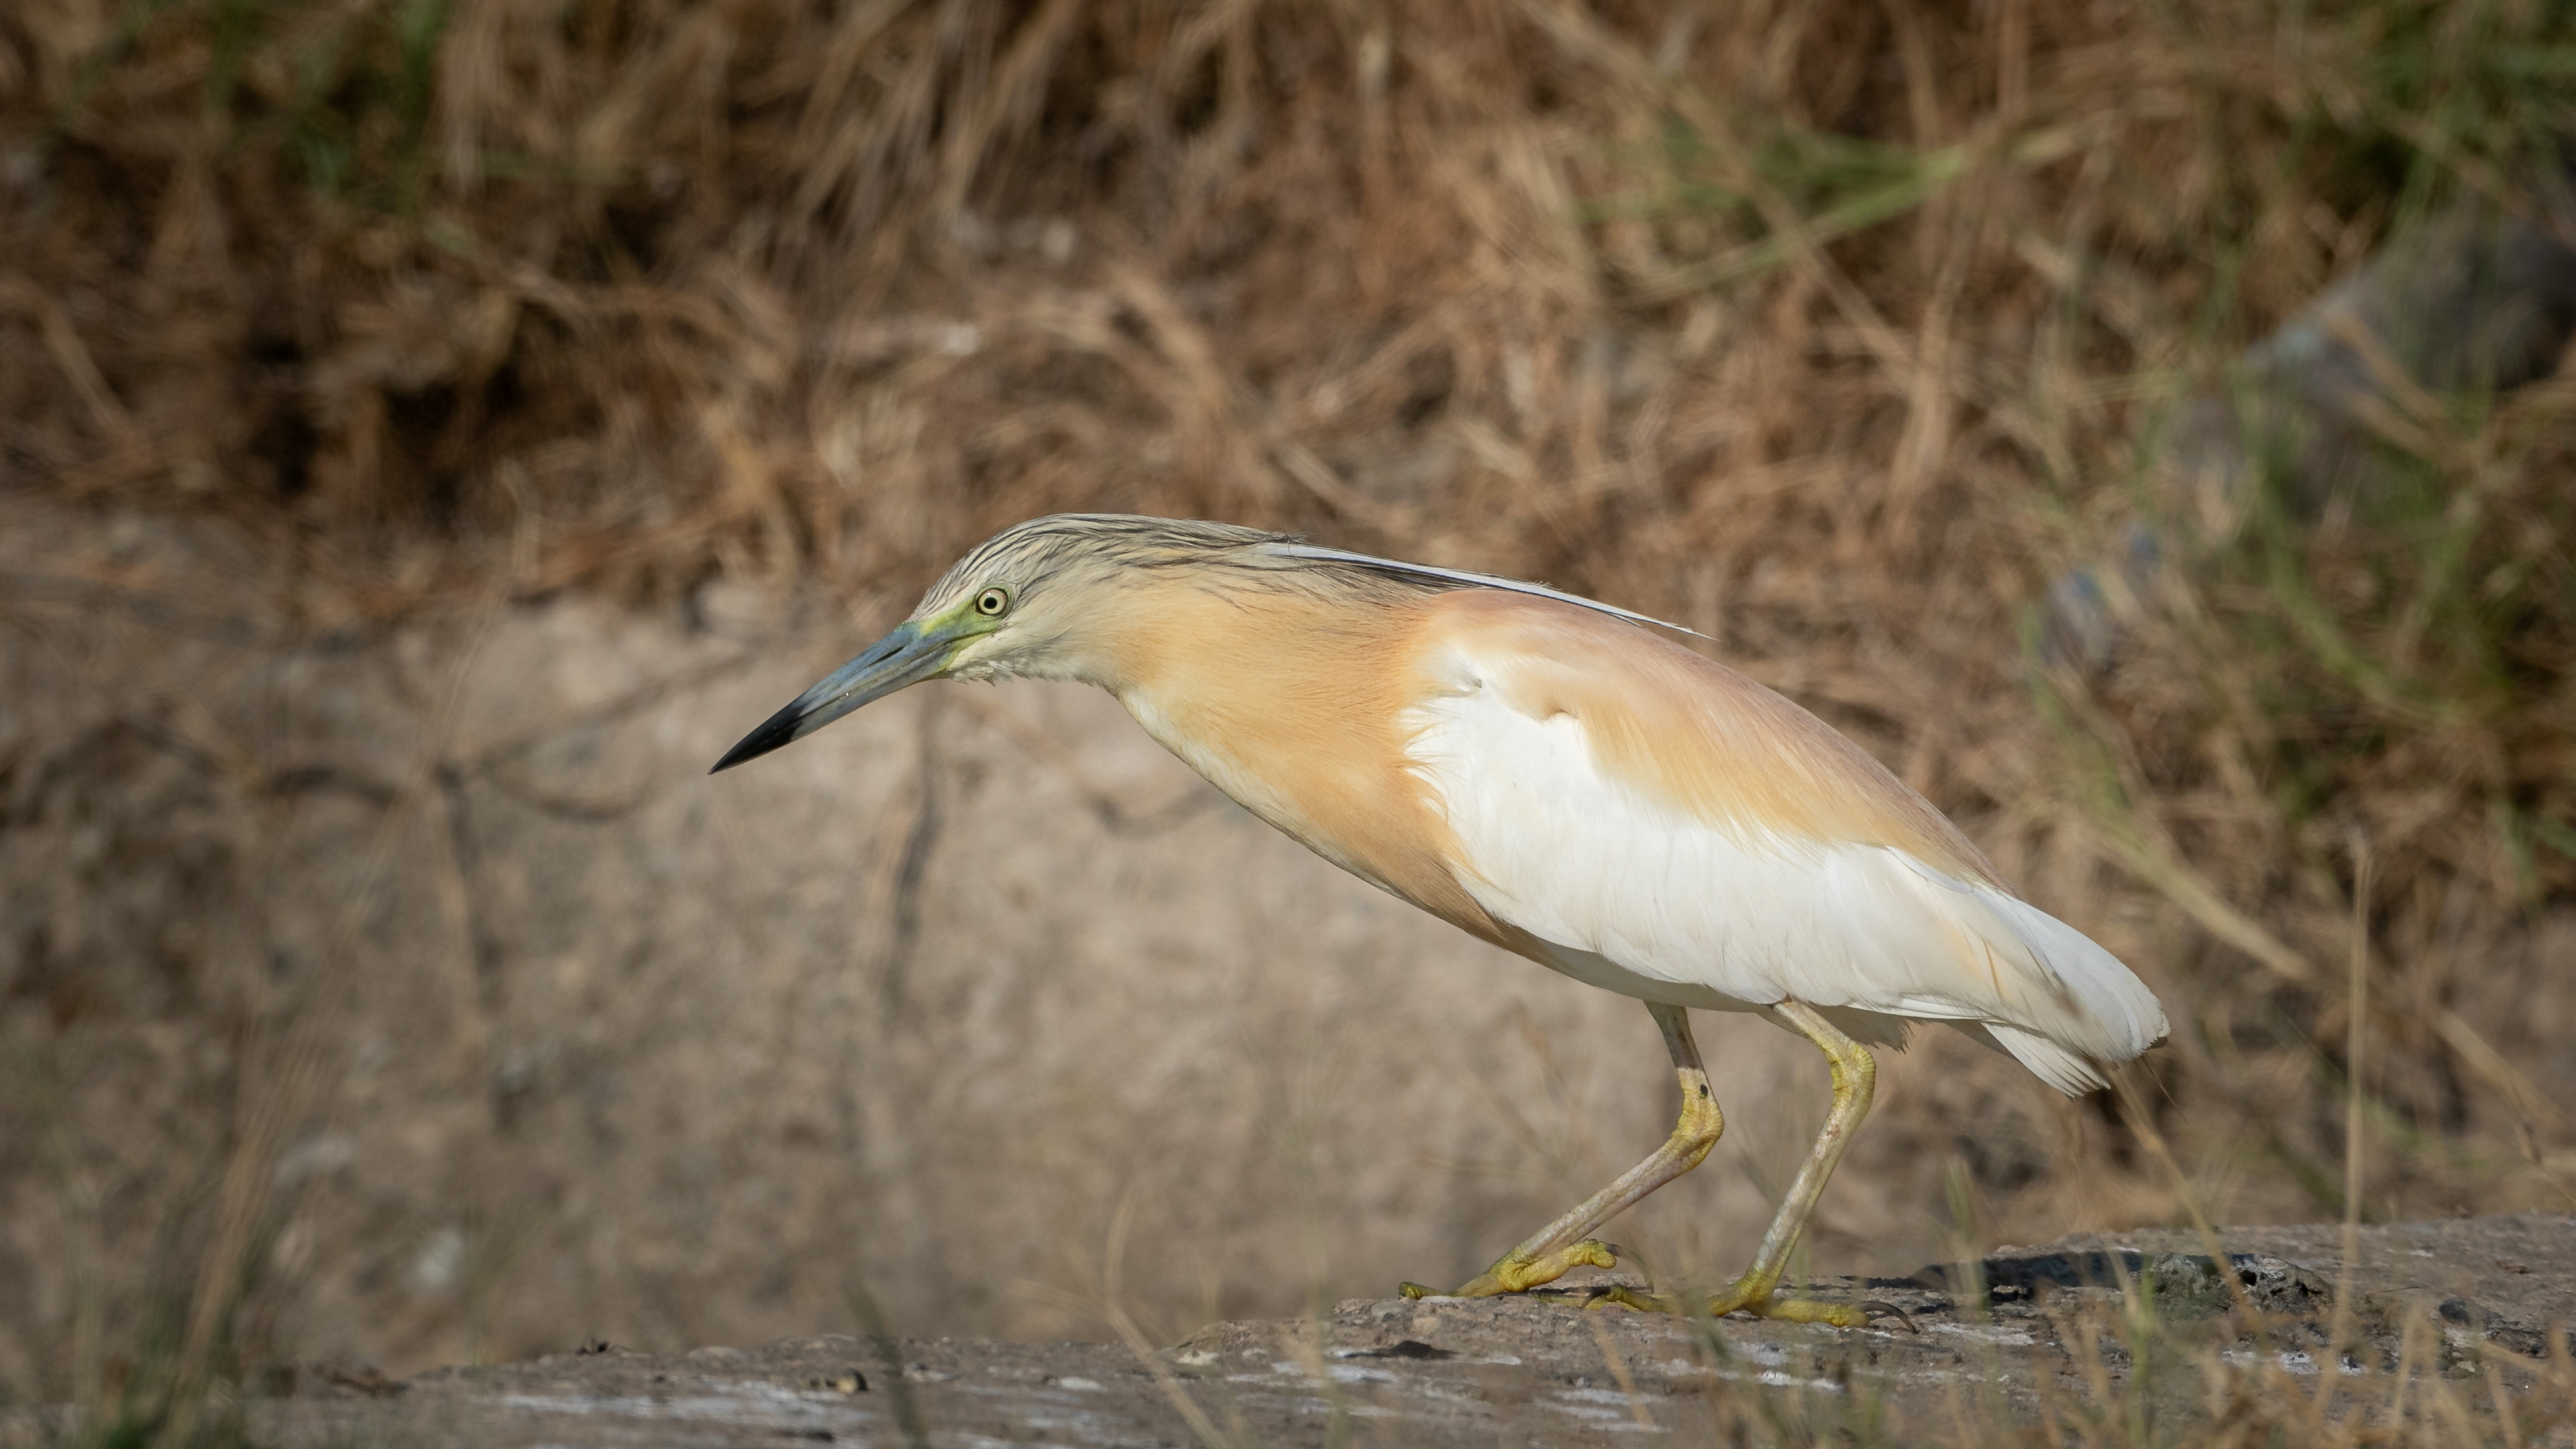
x=1298 y=719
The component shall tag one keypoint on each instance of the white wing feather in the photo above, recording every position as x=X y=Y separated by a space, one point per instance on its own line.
x=1640 y=898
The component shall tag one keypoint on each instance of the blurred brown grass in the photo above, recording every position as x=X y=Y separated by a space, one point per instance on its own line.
x=1830 y=330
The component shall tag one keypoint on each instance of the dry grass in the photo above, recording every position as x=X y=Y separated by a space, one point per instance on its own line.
x=1831 y=330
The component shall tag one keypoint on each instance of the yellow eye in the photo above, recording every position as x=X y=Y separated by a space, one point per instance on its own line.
x=993 y=602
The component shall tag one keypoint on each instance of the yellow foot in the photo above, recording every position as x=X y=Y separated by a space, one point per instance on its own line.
x=1756 y=1299
x=1520 y=1272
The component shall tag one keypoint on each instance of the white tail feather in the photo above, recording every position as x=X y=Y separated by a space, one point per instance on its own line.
x=2077 y=1009
x=2065 y=1070
x=2122 y=1015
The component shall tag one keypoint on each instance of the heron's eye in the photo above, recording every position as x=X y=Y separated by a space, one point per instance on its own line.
x=993 y=602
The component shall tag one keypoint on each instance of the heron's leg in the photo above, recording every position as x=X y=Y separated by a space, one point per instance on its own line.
x=1855 y=1078
x=1565 y=1244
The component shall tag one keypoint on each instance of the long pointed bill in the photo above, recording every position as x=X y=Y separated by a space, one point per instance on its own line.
x=915 y=651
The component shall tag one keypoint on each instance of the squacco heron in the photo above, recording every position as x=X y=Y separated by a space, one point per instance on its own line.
x=1545 y=774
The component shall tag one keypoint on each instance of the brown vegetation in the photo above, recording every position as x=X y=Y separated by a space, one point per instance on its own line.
x=1833 y=331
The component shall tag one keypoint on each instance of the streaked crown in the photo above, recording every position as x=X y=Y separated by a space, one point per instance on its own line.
x=1068 y=553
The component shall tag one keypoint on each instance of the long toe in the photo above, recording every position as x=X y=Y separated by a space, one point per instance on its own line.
x=1619 y=1295
x=1800 y=1310
x=1790 y=1310
x=1750 y=1295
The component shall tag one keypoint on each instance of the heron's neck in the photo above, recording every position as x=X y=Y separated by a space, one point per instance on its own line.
x=1291 y=704
x=1227 y=671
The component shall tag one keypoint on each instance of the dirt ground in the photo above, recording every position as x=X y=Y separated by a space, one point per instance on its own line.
x=2453 y=1302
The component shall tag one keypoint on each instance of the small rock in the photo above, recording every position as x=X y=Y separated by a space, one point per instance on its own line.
x=2186 y=1285
x=851 y=1382
x=2277 y=1285
x=2469 y=1313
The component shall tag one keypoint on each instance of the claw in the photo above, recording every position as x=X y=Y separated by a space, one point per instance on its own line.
x=1874 y=1308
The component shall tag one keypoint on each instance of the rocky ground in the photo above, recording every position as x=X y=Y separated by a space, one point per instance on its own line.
x=2445 y=1302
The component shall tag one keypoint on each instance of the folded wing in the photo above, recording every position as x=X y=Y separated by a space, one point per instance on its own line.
x=1665 y=827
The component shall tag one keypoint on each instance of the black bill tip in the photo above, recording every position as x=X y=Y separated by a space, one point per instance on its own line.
x=776 y=732
x=912 y=653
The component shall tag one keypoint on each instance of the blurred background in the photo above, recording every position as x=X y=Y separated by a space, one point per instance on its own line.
x=432 y=430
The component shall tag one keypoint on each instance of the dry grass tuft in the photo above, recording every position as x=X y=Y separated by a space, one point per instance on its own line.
x=1831 y=330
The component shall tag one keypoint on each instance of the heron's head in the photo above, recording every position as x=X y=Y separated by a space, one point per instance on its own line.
x=1063 y=597
x=1031 y=600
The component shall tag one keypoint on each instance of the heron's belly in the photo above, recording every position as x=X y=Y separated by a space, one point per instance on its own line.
x=1594 y=969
